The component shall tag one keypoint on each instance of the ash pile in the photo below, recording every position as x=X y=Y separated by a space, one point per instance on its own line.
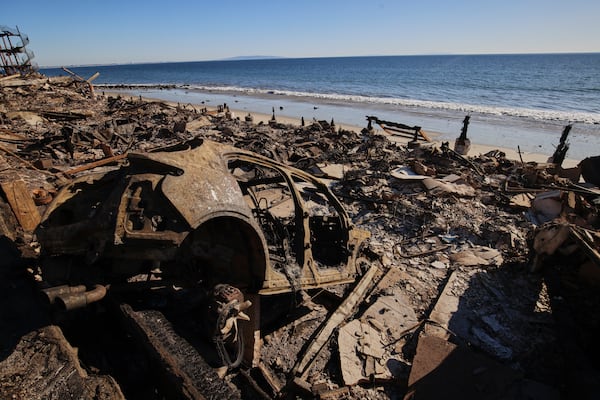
x=154 y=250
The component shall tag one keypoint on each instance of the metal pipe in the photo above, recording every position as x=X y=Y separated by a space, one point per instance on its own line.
x=53 y=292
x=73 y=301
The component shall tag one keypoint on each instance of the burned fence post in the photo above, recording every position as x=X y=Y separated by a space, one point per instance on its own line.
x=462 y=143
x=563 y=146
x=369 y=125
x=417 y=132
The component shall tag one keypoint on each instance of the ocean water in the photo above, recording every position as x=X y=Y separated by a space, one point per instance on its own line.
x=513 y=100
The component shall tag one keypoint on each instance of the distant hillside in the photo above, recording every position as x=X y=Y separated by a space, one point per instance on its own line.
x=251 y=58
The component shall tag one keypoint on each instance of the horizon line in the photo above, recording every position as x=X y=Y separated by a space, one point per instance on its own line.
x=269 y=58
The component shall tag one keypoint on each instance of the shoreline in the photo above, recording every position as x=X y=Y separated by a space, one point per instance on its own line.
x=437 y=137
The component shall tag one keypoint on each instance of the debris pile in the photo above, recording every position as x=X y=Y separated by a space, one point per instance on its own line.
x=479 y=278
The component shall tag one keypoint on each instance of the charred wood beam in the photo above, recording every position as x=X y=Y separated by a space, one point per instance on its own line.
x=20 y=199
x=184 y=373
x=392 y=124
x=63 y=116
x=83 y=80
x=344 y=311
x=95 y=164
x=563 y=146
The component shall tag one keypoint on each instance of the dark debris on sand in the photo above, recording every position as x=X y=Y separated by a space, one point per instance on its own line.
x=491 y=265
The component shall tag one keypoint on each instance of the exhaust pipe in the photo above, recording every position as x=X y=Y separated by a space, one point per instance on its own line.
x=57 y=291
x=73 y=301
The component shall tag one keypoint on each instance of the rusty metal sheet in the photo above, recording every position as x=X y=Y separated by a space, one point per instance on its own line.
x=205 y=187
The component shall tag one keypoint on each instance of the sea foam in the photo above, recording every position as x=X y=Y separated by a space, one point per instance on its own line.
x=535 y=114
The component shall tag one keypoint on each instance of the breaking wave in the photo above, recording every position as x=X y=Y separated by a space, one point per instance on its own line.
x=536 y=114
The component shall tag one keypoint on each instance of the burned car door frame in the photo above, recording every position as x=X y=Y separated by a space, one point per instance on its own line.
x=306 y=249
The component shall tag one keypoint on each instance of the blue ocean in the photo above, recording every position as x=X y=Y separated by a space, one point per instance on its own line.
x=514 y=100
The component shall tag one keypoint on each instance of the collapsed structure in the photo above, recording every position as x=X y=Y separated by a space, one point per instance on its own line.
x=221 y=258
x=15 y=57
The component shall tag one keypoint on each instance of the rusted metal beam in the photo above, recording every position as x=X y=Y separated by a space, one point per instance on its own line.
x=95 y=164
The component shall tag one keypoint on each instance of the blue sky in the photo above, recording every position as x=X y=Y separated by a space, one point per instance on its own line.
x=103 y=32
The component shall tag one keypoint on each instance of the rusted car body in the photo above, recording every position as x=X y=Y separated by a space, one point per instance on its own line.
x=202 y=213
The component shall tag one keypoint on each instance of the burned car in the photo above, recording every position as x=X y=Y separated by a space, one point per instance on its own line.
x=197 y=214
x=207 y=213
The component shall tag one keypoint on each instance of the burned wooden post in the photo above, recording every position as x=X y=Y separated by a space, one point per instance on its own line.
x=67 y=133
x=462 y=143
x=563 y=146
x=369 y=125
x=417 y=133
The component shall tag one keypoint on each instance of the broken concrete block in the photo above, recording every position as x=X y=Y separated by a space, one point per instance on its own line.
x=361 y=350
x=392 y=312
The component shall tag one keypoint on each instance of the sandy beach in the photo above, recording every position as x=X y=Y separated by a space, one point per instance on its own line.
x=476 y=148
x=426 y=252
